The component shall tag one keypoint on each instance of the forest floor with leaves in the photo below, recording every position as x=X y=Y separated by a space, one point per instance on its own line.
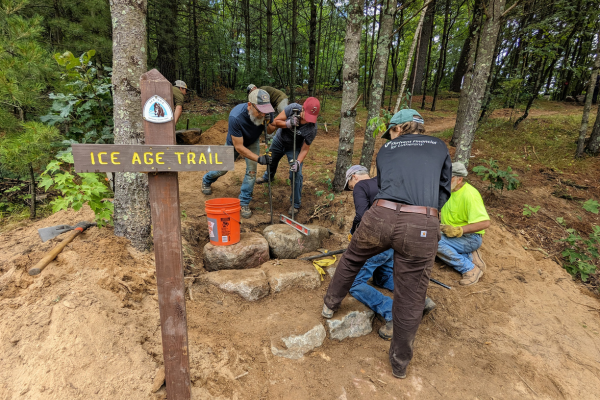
x=88 y=326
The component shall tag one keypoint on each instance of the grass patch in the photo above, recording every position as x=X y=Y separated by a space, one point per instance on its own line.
x=18 y=215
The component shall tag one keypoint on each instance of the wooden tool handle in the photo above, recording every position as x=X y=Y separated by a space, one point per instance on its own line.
x=53 y=253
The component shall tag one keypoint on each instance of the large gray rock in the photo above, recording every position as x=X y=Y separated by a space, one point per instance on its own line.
x=353 y=319
x=251 y=284
x=291 y=274
x=296 y=335
x=286 y=242
x=251 y=251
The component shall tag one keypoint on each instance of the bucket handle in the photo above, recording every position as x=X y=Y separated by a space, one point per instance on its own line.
x=232 y=217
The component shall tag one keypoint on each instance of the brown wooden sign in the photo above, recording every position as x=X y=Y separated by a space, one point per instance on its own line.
x=151 y=158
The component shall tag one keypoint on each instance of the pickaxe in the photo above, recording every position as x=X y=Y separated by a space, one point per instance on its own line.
x=52 y=232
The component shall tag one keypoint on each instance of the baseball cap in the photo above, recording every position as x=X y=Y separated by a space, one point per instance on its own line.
x=260 y=98
x=311 y=107
x=459 y=169
x=401 y=117
x=181 y=84
x=250 y=87
x=360 y=169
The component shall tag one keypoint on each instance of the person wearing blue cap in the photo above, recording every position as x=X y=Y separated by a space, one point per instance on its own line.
x=414 y=172
x=381 y=266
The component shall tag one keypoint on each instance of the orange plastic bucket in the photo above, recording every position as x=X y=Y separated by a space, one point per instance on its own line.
x=223 y=217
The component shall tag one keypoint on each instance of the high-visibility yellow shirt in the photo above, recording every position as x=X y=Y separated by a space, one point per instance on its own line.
x=464 y=207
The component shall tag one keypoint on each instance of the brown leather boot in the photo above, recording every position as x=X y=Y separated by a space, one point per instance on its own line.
x=471 y=277
x=387 y=331
x=477 y=260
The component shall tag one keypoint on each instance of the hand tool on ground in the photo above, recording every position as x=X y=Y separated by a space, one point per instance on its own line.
x=52 y=232
x=267 y=151
x=282 y=218
x=343 y=250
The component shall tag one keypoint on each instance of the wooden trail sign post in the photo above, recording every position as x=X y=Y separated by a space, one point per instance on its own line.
x=161 y=158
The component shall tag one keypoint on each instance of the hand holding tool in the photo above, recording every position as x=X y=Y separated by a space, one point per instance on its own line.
x=295 y=166
x=268 y=153
x=265 y=159
x=292 y=121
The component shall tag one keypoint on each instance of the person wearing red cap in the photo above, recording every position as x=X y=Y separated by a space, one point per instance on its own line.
x=283 y=142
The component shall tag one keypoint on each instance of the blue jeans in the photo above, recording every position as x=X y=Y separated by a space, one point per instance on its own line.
x=456 y=252
x=381 y=268
x=278 y=150
x=249 y=179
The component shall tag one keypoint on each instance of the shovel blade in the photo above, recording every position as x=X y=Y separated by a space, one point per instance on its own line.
x=53 y=231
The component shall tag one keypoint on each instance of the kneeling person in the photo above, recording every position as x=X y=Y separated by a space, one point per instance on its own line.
x=464 y=220
x=381 y=266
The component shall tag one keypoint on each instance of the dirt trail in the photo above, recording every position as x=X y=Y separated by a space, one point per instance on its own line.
x=88 y=326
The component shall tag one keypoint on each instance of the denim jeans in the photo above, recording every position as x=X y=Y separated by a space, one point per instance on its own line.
x=456 y=252
x=278 y=150
x=249 y=179
x=381 y=268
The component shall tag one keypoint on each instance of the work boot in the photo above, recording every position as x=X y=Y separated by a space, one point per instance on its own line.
x=261 y=180
x=399 y=376
x=471 y=277
x=246 y=212
x=387 y=331
x=429 y=306
x=295 y=211
x=477 y=260
x=327 y=312
x=206 y=189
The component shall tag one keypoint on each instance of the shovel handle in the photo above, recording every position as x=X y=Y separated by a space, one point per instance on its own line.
x=39 y=267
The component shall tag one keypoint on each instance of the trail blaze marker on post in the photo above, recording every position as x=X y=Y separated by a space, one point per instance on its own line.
x=161 y=158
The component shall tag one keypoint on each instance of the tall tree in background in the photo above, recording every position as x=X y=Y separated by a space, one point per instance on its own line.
x=349 y=92
x=461 y=67
x=388 y=11
x=166 y=59
x=294 y=50
x=421 y=58
x=132 y=204
x=476 y=78
x=312 y=48
x=588 y=102
x=270 y=37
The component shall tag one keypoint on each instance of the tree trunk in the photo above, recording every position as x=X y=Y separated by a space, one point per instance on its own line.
x=409 y=59
x=318 y=51
x=247 y=34
x=32 y=187
x=427 y=71
x=421 y=60
x=462 y=66
x=537 y=84
x=132 y=205
x=471 y=97
x=270 y=37
x=442 y=60
x=166 y=58
x=588 y=104
x=196 y=79
x=379 y=71
x=312 y=48
x=294 y=50
x=349 y=93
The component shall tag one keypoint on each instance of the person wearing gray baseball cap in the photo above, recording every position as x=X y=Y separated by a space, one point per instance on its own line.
x=413 y=177
x=179 y=91
x=279 y=100
x=246 y=124
x=464 y=221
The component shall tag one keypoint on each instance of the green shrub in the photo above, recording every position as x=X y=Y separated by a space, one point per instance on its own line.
x=580 y=254
x=498 y=178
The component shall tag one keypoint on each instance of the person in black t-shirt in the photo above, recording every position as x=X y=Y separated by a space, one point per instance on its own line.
x=380 y=266
x=283 y=142
x=413 y=176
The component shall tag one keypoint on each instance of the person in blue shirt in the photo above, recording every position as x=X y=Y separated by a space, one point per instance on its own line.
x=246 y=124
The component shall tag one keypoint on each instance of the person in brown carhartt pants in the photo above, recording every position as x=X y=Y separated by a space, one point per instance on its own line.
x=414 y=173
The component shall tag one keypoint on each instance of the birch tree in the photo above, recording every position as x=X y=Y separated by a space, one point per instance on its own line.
x=476 y=78
x=132 y=205
x=379 y=72
x=350 y=75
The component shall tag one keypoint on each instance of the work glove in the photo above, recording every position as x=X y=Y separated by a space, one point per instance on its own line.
x=292 y=121
x=451 y=231
x=295 y=166
x=349 y=237
x=266 y=159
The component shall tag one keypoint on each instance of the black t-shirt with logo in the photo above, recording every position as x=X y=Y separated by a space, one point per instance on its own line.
x=414 y=170
x=304 y=134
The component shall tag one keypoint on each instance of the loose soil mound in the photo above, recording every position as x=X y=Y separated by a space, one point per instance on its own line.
x=217 y=134
x=88 y=326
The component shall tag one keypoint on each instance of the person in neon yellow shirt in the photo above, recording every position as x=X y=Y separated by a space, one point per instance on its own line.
x=463 y=223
